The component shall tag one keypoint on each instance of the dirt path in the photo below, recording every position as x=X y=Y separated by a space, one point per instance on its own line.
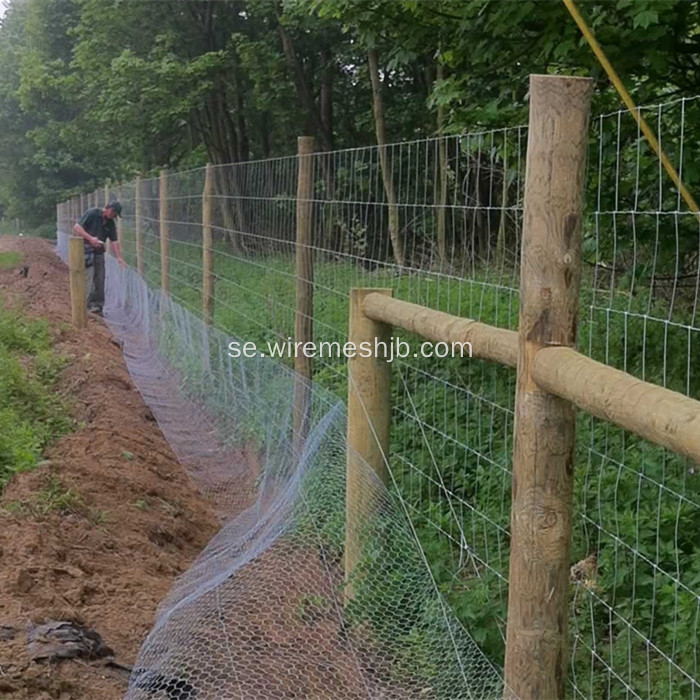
x=126 y=518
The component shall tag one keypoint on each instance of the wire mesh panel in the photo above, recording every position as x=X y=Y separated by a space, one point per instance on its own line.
x=254 y=210
x=439 y=221
x=636 y=604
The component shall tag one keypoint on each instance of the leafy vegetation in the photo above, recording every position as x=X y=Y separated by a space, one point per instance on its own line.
x=83 y=100
x=31 y=413
x=10 y=259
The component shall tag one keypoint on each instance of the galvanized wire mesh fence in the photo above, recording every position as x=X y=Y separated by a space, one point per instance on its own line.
x=443 y=231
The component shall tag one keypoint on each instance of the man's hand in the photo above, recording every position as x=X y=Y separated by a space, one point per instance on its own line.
x=121 y=261
x=96 y=243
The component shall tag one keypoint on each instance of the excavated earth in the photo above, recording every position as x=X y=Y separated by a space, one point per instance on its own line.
x=123 y=518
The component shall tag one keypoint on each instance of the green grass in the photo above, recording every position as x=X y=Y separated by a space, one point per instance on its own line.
x=46 y=230
x=10 y=259
x=31 y=413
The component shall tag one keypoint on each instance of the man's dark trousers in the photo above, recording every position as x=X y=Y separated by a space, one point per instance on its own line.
x=96 y=299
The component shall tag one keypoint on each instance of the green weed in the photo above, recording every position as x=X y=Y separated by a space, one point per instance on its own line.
x=10 y=259
x=32 y=414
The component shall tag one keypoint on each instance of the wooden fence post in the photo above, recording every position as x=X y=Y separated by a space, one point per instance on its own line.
x=369 y=420
x=98 y=194
x=207 y=253
x=303 y=322
x=536 y=645
x=164 y=243
x=138 y=214
x=120 y=221
x=76 y=271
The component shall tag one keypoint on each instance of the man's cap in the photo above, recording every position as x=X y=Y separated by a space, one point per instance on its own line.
x=116 y=207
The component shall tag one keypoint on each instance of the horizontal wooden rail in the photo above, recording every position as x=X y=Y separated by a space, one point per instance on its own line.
x=659 y=415
x=488 y=342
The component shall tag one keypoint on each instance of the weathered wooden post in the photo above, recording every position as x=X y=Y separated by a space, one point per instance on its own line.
x=98 y=194
x=138 y=215
x=369 y=420
x=76 y=271
x=207 y=252
x=303 y=323
x=120 y=221
x=164 y=243
x=536 y=646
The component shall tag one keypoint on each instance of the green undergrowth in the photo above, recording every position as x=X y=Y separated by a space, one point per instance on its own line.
x=10 y=258
x=637 y=506
x=32 y=414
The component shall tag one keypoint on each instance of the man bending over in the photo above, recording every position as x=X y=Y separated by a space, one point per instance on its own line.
x=96 y=226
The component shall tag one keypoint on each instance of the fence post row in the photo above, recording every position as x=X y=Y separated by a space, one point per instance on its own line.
x=369 y=421
x=164 y=242
x=536 y=644
x=303 y=321
x=207 y=256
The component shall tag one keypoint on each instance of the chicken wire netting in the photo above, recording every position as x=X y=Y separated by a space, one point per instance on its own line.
x=265 y=611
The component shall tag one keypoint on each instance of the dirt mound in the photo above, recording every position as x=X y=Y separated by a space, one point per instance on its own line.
x=97 y=533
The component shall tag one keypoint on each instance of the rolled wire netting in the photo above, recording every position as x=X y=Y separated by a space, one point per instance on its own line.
x=264 y=612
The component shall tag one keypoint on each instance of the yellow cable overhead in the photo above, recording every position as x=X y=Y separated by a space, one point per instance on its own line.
x=627 y=99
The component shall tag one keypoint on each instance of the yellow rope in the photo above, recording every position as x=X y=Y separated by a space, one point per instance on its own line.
x=627 y=99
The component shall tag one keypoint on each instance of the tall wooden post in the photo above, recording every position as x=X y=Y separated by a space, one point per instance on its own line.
x=369 y=420
x=120 y=221
x=98 y=196
x=138 y=215
x=164 y=243
x=76 y=271
x=303 y=324
x=536 y=646
x=207 y=252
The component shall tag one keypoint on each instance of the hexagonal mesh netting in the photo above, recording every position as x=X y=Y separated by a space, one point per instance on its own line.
x=264 y=612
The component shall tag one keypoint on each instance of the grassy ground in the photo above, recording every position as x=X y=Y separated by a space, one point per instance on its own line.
x=31 y=413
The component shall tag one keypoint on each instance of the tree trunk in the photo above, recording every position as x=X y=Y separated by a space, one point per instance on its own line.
x=327 y=95
x=243 y=141
x=303 y=90
x=442 y=164
x=384 y=159
x=265 y=134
